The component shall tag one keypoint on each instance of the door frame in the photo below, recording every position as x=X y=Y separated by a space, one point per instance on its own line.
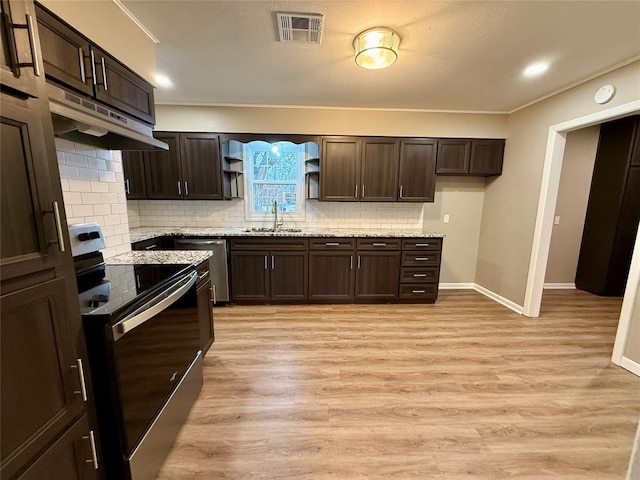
x=550 y=184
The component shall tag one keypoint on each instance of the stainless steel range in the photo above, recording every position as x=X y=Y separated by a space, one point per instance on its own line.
x=143 y=338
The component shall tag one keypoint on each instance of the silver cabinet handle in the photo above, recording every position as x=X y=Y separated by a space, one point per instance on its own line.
x=93 y=68
x=35 y=54
x=351 y=262
x=186 y=188
x=56 y=215
x=204 y=275
x=273 y=262
x=418 y=291
x=213 y=294
x=94 y=455
x=332 y=244
x=363 y=190
x=83 y=76
x=153 y=307
x=422 y=244
x=265 y=262
x=149 y=247
x=104 y=76
x=421 y=259
x=359 y=262
x=419 y=274
x=179 y=189
x=127 y=186
x=83 y=385
x=382 y=244
x=356 y=195
x=400 y=191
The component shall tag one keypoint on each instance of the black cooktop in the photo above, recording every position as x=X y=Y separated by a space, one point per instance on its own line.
x=119 y=287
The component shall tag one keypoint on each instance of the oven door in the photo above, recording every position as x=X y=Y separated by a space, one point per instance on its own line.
x=153 y=347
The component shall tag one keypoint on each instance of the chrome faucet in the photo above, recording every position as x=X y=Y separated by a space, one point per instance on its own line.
x=274 y=209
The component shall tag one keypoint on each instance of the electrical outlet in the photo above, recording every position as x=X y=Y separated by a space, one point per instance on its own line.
x=556 y=220
x=446 y=218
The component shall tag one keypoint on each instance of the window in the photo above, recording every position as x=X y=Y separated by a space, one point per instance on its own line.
x=274 y=172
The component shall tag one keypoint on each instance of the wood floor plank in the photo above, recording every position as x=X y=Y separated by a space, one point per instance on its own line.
x=463 y=389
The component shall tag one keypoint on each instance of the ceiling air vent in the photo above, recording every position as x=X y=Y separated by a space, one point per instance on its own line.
x=300 y=27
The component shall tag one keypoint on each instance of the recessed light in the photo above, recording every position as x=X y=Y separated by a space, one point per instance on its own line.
x=535 y=69
x=163 y=81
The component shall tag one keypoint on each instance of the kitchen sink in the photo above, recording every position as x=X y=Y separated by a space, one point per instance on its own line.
x=274 y=230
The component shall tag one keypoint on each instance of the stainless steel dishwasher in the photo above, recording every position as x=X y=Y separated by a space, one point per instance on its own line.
x=217 y=263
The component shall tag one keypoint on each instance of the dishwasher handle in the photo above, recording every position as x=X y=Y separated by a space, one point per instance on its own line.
x=154 y=306
x=197 y=243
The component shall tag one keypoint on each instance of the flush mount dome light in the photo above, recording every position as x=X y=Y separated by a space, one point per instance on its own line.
x=376 y=48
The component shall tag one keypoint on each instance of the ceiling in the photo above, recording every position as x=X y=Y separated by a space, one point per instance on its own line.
x=454 y=55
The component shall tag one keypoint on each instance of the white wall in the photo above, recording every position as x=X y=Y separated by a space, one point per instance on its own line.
x=573 y=197
x=93 y=191
x=510 y=202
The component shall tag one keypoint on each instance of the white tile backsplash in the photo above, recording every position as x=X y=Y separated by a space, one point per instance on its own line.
x=93 y=191
x=182 y=213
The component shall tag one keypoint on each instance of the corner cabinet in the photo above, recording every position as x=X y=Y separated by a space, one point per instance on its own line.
x=477 y=157
x=189 y=170
x=45 y=429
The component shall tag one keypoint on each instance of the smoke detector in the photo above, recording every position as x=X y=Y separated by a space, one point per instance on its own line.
x=300 y=27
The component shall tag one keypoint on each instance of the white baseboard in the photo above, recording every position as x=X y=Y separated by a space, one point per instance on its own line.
x=560 y=286
x=456 y=286
x=500 y=299
x=633 y=367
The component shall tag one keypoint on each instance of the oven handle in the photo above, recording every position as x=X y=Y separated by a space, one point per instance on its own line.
x=155 y=306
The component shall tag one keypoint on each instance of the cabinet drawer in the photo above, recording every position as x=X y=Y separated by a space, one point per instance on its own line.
x=151 y=244
x=419 y=275
x=203 y=272
x=275 y=243
x=419 y=291
x=422 y=244
x=379 y=243
x=329 y=243
x=420 y=258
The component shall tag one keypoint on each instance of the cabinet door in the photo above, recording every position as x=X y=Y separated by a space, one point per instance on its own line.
x=331 y=275
x=486 y=157
x=29 y=234
x=340 y=169
x=134 y=184
x=69 y=458
x=417 y=171
x=201 y=169
x=205 y=315
x=41 y=391
x=453 y=157
x=16 y=47
x=250 y=276
x=162 y=170
x=119 y=87
x=379 y=174
x=378 y=275
x=289 y=279
x=65 y=53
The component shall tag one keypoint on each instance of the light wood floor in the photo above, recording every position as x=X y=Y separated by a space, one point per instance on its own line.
x=464 y=389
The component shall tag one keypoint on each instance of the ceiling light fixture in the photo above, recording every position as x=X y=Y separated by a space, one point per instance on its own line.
x=376 y=48
x=535 y=69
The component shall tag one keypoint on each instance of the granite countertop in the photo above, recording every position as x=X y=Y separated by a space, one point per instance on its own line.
x=145 y=233
x=186 y=257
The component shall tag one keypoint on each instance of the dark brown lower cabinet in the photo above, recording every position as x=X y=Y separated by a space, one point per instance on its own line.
x=249 y=276
x=331 y=275
x=205 y=310
x=377 y=275
x=289 y=279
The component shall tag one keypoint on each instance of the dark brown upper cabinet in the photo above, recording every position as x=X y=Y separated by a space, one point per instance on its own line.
x=478 y=157
x=416 y=176
x=135 y=186
x=19 y=55
x=189 y=170
x=72 y=61
x=359 y=169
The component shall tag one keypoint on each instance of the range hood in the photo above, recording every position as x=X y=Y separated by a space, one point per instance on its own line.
x=82 y=120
